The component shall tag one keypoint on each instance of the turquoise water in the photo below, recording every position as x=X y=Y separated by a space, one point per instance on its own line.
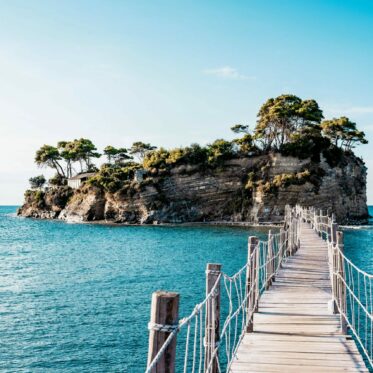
x=76 y=298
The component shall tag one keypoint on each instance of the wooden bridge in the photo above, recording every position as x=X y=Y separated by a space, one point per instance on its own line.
x=298 y=305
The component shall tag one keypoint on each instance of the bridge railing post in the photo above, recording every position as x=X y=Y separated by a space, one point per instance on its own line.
x=282 y=244
x=212 y=321
x=319 y=228
x=164 y=318
x=334 y=262
x=251 y=275
x=341 y=286
x=269 y=261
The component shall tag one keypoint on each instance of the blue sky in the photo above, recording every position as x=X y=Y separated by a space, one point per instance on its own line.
x=171 y=72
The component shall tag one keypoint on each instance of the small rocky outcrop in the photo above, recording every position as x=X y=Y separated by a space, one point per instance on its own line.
x=45 y=204
x=251 y=189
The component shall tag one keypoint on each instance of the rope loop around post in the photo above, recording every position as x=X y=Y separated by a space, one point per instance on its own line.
x=162 y=328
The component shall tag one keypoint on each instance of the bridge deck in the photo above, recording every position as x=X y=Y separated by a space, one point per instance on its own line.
x=294 y=331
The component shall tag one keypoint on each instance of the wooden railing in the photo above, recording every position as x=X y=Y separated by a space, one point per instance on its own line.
x=208 y=338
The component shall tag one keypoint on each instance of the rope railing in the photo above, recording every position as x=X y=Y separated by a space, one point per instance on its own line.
x=208 y=338
x=352 y=288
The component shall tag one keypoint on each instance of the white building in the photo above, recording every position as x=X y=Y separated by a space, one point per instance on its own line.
x=76 y=181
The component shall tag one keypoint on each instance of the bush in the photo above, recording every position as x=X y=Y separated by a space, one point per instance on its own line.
x=162 y=159
x=112 y=177
x=57 y=180
x=220 y=150
x=333 y=155
x=308 y=144
x=37 y=181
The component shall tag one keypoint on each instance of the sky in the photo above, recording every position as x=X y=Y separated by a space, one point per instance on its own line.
x=171 y=72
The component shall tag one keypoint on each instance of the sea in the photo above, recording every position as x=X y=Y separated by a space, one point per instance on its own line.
x=76 y=297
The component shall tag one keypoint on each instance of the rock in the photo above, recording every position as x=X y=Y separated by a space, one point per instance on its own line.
x=190 y=194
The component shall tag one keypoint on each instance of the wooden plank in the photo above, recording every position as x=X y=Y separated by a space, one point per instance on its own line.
x=294 y=330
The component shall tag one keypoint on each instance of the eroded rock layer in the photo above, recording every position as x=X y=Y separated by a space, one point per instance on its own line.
x=252 y=189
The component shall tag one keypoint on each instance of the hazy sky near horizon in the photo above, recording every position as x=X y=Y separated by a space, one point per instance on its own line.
x=171 y=72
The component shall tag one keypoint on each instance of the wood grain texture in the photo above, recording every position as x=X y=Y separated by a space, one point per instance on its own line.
x=294 y=331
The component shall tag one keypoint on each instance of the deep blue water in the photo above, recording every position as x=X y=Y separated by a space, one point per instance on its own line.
x=76 y=298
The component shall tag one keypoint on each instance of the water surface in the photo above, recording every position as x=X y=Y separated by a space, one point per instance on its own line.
x=76 y=297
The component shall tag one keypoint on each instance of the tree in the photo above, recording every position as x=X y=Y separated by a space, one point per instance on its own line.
x=279 y=118
x=245 y=143
x=343 y=133
x=118 y=155
x=84 y=150
x=140 y=149
x=240 y=128
x=219 y=150
x=49 y=156
x=37 y=182
x=68 y=154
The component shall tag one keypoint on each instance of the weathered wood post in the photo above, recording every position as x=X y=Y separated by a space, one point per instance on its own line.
x=257 y=279
x=163 y=320
x=212 y=322
x=282 y=245
x=319 y=225
x=329 y=230
x=334 y=230
x=289 y=238
x=251 y=273
x=269 y=259
x=342 y=294
x=293 y=234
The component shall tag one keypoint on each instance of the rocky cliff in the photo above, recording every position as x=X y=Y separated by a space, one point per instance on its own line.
x=252 y=189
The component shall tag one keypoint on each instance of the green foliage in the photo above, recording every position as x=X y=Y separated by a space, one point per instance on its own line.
x=118 y=155
x=49 y=156
x=306 y=143
x=284 y=180
x=279 y=118
x=163 y=159
x=79 y=150
x=140 y=149
x=333 y=155
x=35 y=196
x=37 y=182
x=240 y=128
x=112 y=177
x=57 y=180
x=156 y=158
x=343 y=132
x=220 y=150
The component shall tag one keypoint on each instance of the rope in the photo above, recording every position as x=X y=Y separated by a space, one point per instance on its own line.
x=210 y=341
x=162 y=328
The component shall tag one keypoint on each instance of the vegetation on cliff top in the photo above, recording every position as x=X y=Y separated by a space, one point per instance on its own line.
x=286 y=124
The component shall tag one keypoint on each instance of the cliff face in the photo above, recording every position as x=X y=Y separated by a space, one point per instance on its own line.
x=246 y=189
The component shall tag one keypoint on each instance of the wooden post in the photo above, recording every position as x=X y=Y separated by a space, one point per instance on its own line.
x=289 y=238
x=164 y=312
x=269 y=265
x=293 y=233
x=334 y=229
x=212 y=323
x=334 y=279
x=250 y=283
x=257 y=288
x=320 y=220
x=282 y=245
x=341 y=285
x=329 y=230
x=334 y=233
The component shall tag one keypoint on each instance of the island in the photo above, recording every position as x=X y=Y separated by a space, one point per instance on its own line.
x=292 y=156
